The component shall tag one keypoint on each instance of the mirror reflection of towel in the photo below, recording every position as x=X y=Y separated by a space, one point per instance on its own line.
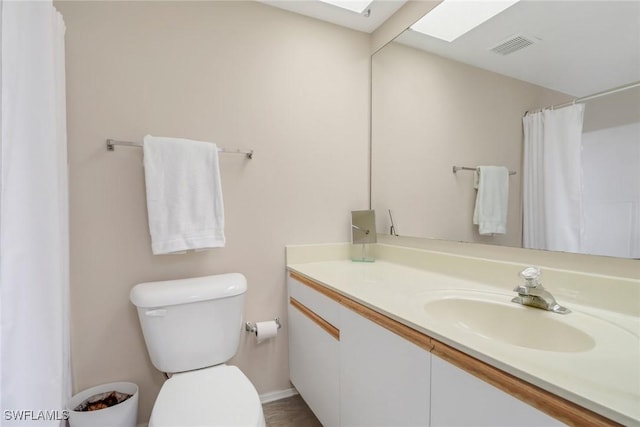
x=492 y=200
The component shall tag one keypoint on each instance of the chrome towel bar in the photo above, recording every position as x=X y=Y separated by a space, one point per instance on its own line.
x=466 y=168
x=111 y=143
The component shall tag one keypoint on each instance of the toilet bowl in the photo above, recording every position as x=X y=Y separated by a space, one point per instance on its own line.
x=191 y=328
x=218 y=396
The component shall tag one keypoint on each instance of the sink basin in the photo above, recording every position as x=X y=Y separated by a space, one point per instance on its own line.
x=510 y=323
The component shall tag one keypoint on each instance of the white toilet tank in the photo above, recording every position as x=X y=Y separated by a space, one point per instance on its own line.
x=191 y=323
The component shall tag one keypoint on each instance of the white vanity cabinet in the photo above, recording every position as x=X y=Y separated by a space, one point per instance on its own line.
x=358 y=368
x=359 y=373
x=460 y=399
x=384 y=379
x=314 y=350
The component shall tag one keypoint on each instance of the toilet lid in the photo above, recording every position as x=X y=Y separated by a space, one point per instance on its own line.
x=218 y=396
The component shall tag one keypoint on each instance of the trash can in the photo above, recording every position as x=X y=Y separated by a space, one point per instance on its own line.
x=123 y=414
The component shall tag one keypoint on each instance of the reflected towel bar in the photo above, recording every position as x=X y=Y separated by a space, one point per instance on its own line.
x=111 y=143
x=465 y=168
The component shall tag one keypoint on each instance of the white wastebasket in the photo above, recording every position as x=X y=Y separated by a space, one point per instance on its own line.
x=124 y=414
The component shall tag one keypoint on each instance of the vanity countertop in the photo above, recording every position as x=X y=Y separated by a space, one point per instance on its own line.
x=603 y=375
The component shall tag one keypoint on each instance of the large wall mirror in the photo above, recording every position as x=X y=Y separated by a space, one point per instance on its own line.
x=438 y=104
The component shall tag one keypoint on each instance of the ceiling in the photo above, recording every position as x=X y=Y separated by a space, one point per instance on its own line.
x=580 y=47
x=380 y=11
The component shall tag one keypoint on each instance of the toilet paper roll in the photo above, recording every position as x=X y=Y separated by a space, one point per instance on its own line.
x=266 y=330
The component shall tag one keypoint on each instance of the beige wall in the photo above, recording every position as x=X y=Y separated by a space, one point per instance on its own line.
x=241 y=74
x=430 y=113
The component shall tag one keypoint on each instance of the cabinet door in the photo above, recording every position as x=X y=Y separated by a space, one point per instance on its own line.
x=460 y=399
x=384 y=379
x=314 y=358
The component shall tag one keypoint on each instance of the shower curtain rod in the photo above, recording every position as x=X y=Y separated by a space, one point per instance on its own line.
x=593 y=96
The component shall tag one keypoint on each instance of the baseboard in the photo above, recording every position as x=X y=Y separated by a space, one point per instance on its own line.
x=277 y=395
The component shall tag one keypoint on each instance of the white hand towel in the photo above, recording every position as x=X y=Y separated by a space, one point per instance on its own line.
x=490 y=214
x=184 y=194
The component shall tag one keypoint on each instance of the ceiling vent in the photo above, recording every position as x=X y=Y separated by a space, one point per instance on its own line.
x=512 y=44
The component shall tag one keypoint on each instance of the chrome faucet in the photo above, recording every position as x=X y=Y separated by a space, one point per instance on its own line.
x=533 y=294
x=392 y=229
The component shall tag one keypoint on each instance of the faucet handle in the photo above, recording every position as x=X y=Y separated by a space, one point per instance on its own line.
x=531 y=275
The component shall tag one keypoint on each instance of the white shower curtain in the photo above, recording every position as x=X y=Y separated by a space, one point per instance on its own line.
x=552 y=187
x=34 y=272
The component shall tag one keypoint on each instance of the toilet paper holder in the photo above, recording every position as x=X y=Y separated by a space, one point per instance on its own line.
x=251 y=327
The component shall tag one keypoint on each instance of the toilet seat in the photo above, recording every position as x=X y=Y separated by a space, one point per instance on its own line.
x=218 y=396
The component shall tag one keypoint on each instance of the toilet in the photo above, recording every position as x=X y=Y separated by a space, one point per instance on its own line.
x=191 y=328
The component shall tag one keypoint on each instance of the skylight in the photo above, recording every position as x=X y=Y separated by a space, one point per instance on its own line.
x=357 y=6
x=453 y=18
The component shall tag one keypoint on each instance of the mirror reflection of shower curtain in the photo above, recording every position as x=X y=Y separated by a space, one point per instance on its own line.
x=552 y=187
x=34 y=248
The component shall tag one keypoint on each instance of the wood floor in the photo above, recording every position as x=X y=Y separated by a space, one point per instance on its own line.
x=289 y=412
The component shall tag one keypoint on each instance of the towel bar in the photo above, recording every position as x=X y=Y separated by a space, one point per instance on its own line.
x=111 y=143
x=466 y=168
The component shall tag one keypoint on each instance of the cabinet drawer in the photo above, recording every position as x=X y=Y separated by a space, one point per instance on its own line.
x=320 y=304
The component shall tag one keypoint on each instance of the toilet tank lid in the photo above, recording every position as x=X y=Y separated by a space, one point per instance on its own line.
x=184 y=291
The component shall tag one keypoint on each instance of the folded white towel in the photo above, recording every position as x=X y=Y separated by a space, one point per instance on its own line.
x=490 y=214
x=184 y=194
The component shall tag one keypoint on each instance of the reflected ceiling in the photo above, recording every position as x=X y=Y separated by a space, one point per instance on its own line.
x=575 y=47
